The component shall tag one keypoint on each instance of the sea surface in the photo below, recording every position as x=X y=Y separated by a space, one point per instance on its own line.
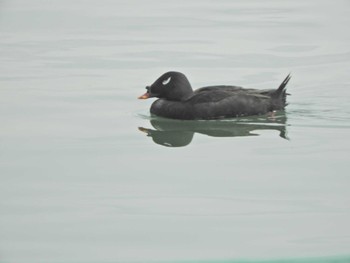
x=87 y=175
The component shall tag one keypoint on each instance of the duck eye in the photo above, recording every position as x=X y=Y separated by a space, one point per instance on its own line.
x=166 y=81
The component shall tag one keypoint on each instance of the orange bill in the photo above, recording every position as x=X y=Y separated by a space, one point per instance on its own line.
x=144 y=96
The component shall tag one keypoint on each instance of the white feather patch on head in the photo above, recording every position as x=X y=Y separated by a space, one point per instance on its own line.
x=164 y=82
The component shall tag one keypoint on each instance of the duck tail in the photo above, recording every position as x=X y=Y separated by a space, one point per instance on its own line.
x=281 y=93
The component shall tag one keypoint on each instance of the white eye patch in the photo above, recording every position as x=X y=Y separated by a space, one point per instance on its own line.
x=166 y=81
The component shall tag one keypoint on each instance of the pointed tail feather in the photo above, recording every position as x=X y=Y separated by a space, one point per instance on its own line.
x=282 y=88
x=280 y=94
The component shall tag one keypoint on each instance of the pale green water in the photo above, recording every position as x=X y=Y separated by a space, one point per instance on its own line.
x=81 y=182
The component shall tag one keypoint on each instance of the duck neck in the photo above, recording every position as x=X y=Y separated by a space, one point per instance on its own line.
x=187 y=93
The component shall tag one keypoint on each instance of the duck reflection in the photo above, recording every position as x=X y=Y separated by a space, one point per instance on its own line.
x=178 y=133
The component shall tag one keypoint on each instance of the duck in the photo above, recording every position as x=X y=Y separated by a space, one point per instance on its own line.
x=177 y=99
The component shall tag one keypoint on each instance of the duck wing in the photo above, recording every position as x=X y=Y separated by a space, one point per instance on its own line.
x=217 y=104
x=235 y=89
x=218 y=93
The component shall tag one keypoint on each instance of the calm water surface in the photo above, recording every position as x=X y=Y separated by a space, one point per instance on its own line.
x=87 y=175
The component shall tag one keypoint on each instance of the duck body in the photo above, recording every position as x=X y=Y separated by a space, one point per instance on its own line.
x=177 y=100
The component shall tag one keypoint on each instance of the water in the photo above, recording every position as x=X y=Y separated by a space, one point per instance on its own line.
x=87 y=175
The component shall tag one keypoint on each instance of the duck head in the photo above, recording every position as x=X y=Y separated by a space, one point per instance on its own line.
x=172 y=86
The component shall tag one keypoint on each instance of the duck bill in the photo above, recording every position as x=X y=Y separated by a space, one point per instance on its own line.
x=144 y=96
